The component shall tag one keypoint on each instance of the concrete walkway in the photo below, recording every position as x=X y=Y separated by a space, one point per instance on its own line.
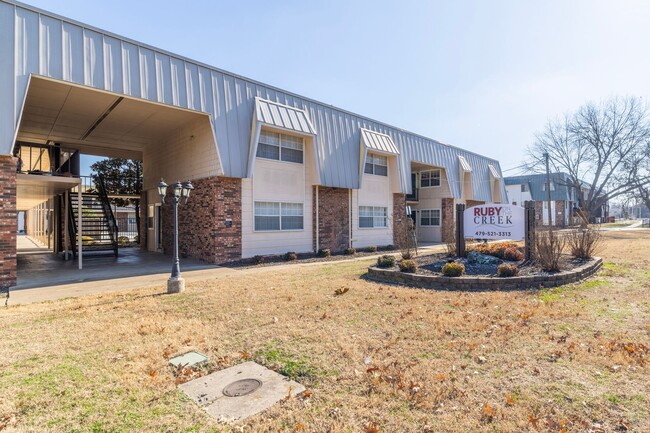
x=106 y=279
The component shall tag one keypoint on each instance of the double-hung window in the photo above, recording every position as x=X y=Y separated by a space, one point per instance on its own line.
x=281 y=147
x=373 y=217
x=273 y=216
x=376 y=164
x=430 y=178
x=430 y=217
x=524 y=187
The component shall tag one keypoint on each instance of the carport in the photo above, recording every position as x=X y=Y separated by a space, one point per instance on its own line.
x=71 y=119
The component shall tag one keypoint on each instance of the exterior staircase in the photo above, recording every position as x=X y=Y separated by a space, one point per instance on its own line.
x=99 y=228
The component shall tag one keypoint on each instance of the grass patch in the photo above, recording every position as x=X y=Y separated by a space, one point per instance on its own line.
x=399 y=358
x=293 y=366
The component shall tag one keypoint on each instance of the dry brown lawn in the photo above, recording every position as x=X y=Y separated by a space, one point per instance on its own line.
x=377 y=358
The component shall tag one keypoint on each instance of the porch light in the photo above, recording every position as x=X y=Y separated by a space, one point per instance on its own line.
x=178 y=189
x=162 y=190
x=187 y=189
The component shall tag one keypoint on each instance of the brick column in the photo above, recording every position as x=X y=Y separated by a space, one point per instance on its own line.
x=8 y=221
x=447 y=220
x=334 y=218
x=539 y=208
x=399 y=218
x=203 y=231
x=559 y=213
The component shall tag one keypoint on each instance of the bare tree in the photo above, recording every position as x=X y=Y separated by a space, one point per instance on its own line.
x=603 y=148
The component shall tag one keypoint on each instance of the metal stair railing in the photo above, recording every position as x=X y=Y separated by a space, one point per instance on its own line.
x=108 y=211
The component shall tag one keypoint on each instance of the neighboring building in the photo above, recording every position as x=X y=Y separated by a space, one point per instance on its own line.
x=565 y=198
x=273 y=171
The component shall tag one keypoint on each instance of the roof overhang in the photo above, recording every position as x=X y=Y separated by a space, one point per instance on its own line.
x=32 y=190
x=464 y=165
x=378 y=142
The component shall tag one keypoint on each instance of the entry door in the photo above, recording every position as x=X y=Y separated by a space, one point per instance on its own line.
x=154 y=228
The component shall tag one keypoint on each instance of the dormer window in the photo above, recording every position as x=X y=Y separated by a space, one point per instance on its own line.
x=376 y=164
x=281 y=147
x=544 y=186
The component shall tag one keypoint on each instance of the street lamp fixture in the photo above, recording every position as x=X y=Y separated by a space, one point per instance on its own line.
x=181 y=193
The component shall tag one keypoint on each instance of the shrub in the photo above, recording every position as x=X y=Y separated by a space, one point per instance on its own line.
x=324 y=252
x=258 y=260
x=371 y=249
x=386 y=261
x=583 y=244
x=548 y=250
x=453 y=269
x=507 y=270
x=406 y=255
x=408 y=266
x=122 y=240
x=513 y=254
x=497 y=249
x=349 y=251
x=290 y=256
x=87 y=240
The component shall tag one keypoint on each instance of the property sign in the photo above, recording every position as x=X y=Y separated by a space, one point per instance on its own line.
x=494 y=221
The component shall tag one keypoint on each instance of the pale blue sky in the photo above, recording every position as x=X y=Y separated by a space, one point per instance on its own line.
x=482 y=75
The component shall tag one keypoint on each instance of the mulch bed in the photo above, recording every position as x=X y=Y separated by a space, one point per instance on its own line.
x=432 y=265
x=303 y=258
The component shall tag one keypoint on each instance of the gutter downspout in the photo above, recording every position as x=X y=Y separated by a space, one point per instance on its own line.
x=317 y=222
x=350 y=223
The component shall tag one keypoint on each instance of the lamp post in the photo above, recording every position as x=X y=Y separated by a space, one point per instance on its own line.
x=175 y=283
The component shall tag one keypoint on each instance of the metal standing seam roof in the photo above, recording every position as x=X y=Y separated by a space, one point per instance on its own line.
x=464 y=165
x=283 y=116
x=536 y=183
x=494 y=172
x=34 y=41
x=378 y=142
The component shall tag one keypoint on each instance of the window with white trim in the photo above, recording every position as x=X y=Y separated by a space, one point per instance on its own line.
x=552 y=186
x=430 y=217
x=274 y=216
x=429 y=178
x=281 y=147
x=376 y=164
x=373 y=217
x=524 y=187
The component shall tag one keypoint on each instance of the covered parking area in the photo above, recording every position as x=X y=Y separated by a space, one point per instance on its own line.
x=70 y=119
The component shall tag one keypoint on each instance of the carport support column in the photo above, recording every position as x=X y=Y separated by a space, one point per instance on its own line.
x=8 y=222
x=79 y=226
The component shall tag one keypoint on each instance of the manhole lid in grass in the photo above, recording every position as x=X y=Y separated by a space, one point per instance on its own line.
x=238 y=392
x=189 y=359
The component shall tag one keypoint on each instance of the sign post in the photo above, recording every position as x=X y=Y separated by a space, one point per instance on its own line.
x=529 y=249
x=460 y=230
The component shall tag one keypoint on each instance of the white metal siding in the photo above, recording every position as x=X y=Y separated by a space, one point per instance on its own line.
x=56 y=47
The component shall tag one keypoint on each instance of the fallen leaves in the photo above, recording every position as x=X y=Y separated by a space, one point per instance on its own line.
x=341 y=291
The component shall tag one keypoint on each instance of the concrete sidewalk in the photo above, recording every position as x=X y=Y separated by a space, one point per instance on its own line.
x=102 y=283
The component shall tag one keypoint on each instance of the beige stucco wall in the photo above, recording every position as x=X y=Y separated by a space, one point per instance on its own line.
x=375 y=191
x=431 y=198
x=279 y=181
x=190 y=153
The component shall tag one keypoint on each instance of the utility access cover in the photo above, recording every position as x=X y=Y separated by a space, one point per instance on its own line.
x=238 y=392
x=189 y=359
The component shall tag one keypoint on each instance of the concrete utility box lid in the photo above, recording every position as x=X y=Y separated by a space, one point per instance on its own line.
x=238 y=392
x=189 y=359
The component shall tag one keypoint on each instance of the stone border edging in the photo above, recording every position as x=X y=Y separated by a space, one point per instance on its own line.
x=470 y=283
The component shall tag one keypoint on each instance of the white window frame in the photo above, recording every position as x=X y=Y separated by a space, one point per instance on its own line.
x=372 y=159
x=544 y=186
x=430 y=217
x=280 y=203
x=375 y=216
x=281 y=139
x=437 y=170
x=524 y=187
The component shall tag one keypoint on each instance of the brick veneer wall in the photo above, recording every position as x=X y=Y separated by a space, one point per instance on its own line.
x=399 y=218
x=8 y=221
x=334 y=218
x=559 y=213
x=203 y=233
x=447 y=212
